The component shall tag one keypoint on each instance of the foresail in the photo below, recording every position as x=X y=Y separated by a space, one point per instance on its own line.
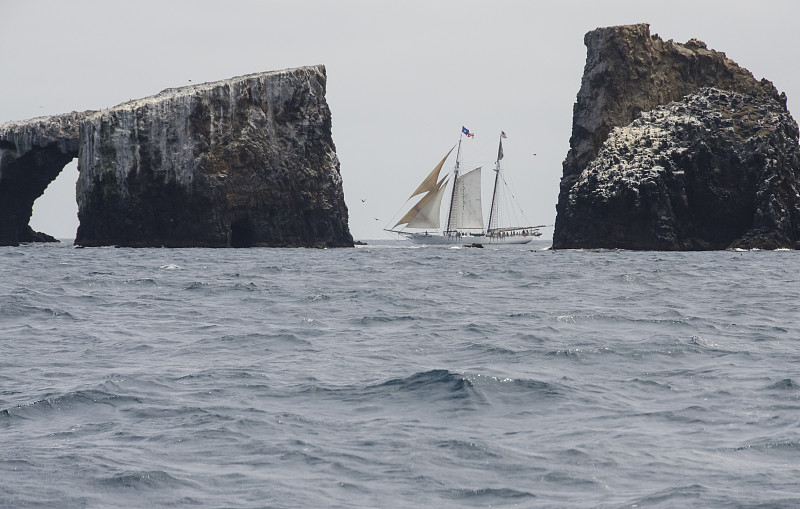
x=466 y=209
x=425 y=214
x=430 y=183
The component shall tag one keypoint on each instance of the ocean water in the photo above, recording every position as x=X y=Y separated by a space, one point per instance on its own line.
x=392 y=375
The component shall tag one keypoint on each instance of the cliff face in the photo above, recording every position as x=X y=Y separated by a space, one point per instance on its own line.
x=247 y=161
x=709 y=192
x=32 y=153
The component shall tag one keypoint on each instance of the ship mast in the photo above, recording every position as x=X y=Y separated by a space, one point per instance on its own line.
x=493 y=210
x=455 y=181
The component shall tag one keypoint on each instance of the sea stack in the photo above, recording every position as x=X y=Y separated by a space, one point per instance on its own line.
x=247 y=161
x=676 y=147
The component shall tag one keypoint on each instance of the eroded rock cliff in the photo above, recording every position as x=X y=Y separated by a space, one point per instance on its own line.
x=714 y=170
x=247 y=161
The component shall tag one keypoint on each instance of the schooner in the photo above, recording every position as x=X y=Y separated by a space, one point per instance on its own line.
x=464 y=219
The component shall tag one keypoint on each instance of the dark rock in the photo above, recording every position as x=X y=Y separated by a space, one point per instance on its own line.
x=242 y=162
x=713 y=171
x=675 y=178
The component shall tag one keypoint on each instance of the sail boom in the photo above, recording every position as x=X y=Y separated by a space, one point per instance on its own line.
x=512 y=228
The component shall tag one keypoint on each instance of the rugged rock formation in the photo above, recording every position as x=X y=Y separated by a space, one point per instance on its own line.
x=715 y=170
x=679 y=177
x=32 y=154
x=247 y=161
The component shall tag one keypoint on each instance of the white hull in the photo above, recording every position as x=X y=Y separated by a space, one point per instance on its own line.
x=460 y=240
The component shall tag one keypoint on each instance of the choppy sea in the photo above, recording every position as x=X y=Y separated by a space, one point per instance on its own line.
x=391 y=375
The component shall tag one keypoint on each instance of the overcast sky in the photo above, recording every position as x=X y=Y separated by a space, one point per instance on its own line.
x=403 y=76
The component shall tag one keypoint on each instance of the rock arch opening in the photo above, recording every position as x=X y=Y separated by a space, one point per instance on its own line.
x=242 y=233
x=56 y=211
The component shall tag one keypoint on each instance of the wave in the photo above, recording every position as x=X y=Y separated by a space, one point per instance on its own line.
x=383 y=319
x=651 y=384
x=486 y=496
x=437 y=386
x=142 y=281
x=492 y=349
x=143 y=480
x=430 y=386
x=317 y=297
x=250 y=338
x=679 y=496
x=518 y=390
x=466 y=450
x=434 y=382
x=171 y=266
x=77 y=401
x=247 y=287
x=18 y=308
x=785 y=384
x=790 y=446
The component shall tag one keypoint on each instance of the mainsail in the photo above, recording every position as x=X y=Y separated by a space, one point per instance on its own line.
x=425 y=214
x=466 y=211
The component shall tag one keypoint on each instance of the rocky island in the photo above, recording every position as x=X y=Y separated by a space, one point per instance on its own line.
x=247 y=161
x=676 y=147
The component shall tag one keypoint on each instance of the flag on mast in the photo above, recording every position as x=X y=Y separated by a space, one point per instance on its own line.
x=466 y=131
x=503 y=134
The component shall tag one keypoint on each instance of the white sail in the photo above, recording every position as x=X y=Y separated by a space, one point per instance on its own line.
x=425 y=214
x=430 y=183
x=466 y=208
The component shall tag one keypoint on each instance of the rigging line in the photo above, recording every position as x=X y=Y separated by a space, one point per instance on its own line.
x=514 y=198
x=396 y=214
x=387 y=227
x=474 y=150
x=522 y=211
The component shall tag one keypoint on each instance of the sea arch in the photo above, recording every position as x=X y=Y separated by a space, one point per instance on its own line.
x=32 y=154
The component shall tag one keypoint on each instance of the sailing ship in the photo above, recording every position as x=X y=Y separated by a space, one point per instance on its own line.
x=464 y=218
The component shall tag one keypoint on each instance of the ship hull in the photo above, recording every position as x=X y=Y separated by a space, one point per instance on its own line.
x=460 y=240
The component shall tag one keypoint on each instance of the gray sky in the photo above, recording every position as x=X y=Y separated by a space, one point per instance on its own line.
x=402 y=76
